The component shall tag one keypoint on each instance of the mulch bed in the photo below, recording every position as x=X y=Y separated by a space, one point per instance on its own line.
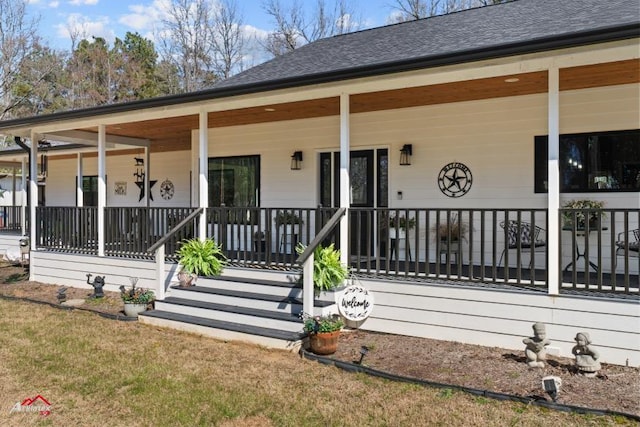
x=616 y=388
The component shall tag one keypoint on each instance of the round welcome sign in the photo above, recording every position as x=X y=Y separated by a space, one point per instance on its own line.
x=355 y=303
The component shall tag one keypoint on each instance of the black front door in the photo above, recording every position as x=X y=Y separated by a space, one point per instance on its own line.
x=369 y=178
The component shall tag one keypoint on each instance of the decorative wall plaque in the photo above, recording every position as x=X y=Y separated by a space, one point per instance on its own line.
x=455 y=179
x=120 y=188
x=166 y=189
x=356 y=303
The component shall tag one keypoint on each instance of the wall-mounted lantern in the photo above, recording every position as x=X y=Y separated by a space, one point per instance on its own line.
x=296 y=160
x=405 y=154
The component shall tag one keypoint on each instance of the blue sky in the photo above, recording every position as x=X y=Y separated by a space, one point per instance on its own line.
x=113 y=18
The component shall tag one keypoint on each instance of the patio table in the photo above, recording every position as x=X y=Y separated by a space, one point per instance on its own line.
x=581 y=232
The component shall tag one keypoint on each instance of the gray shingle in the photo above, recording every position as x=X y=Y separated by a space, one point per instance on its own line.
x=518 y=22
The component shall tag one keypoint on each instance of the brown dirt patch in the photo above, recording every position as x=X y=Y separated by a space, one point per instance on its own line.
x=616 y=388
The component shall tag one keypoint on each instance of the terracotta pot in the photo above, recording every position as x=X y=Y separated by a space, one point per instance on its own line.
x=324 y=342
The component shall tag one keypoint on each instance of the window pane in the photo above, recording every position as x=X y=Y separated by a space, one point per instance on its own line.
x=234 y=181
x=592 y=162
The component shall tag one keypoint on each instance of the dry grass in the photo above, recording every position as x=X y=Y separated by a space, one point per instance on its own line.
x=95 y=370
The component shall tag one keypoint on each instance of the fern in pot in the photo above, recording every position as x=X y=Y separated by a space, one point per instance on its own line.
x=199 y=258
x=328 y=270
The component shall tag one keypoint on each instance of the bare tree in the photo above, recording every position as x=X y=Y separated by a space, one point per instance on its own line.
x=409 y=10
x=228 y=38
x=17 y=38
x=186 y=42
x=294 y=28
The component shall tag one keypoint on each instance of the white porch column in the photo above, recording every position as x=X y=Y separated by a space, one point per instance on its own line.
x=345 y=184
x=553 y=227
x=79 y=173
x=203 y=185
x=23 y=198
x=102 y=186
x=33 y=189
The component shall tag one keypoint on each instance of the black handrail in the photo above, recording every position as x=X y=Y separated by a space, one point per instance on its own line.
x=324 y=232
x=175 y=229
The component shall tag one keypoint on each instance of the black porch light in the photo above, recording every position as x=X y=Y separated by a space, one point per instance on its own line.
x=296 y=160
x=405 y=154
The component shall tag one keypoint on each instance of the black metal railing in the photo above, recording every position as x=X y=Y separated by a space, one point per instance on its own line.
x=477 y=245
x=265 y=235
x=505 y=246
x=130 y=231
x=69 y=229
x=10 y=218
x=601 y=246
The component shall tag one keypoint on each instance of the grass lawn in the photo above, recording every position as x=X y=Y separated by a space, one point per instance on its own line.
x=101 y=372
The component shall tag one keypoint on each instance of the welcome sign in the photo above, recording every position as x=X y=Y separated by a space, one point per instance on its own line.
x=356 y=303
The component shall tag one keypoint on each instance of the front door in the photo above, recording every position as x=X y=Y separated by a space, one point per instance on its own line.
x=368 y=171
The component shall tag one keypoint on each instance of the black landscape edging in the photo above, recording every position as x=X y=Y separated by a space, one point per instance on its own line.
x=111 y=316
x=539 y=400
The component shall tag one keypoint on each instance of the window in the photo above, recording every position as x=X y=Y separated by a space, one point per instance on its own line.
x=234 y=181
x=592 y=162
x=89 y=191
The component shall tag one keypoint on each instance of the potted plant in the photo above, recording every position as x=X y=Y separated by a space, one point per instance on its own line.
x=398 y=226
x=583 y=211
x=323 y=332
x=135 y=299
x=452 y=230
x=199 y=258
x=328 y=271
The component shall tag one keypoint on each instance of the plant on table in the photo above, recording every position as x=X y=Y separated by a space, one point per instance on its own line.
x=583 y=210
x=286 y=217
x=402 y=222
x=200 y=258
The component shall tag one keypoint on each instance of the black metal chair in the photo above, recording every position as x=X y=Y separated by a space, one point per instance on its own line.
x=627 y=243
x=521 y=236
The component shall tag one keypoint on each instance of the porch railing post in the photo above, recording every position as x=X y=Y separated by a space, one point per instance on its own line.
x=345 y=183
x=307 y=286
x=160 y=274
x=203 y=185
x=102 y=186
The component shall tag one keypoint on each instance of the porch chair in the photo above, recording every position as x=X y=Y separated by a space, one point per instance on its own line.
x=521 y=236
x=625 y=238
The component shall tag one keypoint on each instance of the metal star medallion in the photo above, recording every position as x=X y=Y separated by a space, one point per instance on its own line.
x=455 y=180
x=140 y=185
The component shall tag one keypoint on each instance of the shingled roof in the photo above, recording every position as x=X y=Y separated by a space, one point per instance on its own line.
x=516 y=27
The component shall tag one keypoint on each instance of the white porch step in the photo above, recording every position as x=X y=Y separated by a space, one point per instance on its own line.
x=228 y=331
x=228 y=313
x=281 y=287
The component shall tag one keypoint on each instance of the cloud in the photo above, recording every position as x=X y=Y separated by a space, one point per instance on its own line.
x=84 y=28
x=83 y=2
x=145 y=18
x=54 y=4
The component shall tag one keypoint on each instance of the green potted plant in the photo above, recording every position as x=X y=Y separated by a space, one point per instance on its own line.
x=199 y=258
x=398 y=226
x=583 y=210
x=135 y=299
x=328 y=271
x=323 y=332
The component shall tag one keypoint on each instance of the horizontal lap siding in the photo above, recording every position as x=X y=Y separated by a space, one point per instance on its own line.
x=498 y=318
x=71 y=270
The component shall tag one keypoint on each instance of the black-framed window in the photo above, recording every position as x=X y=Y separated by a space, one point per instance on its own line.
x=592 y=162
x=234 y=181
x=90 y=190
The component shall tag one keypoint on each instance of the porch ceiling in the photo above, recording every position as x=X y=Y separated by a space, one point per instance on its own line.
x=174 y=133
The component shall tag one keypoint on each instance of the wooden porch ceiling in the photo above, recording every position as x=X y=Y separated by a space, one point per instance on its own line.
x=175 y=133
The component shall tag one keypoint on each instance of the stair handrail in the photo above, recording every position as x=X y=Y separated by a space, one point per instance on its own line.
x=174 y=230
x=306 y=260
x=159 y=251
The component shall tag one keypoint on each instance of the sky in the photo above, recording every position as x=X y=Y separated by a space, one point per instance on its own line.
x=113 y=18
